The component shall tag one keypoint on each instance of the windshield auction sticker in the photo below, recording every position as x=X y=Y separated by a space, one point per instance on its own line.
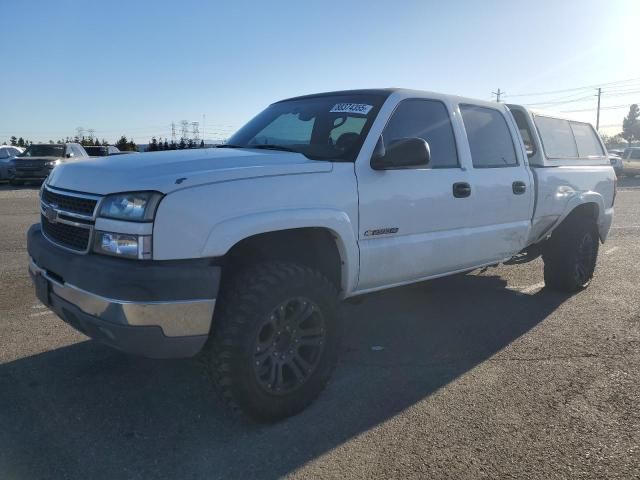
x=359 y=108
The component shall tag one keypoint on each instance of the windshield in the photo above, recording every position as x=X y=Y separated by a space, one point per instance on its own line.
x=97 y=151
x=44 y=151
x=328 y=127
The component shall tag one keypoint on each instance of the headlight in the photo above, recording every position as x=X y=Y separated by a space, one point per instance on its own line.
x=134 y=206
x=52 y=163
x=123 y=245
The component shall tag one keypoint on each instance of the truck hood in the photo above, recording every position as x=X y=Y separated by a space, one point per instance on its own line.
x=177 y=169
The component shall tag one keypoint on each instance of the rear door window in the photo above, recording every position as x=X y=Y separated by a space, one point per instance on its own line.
x=490 y=140
x=557 y=137
x=586 y=140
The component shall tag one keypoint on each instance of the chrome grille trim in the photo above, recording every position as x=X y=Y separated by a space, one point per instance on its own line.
x=88 y=223
x=84 y=196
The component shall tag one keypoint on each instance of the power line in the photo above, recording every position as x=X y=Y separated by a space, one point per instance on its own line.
x=574 y=89
x=581 y=99
x=613 y=107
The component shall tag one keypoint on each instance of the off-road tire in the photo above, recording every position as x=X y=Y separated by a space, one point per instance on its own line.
x=570 y=254
x=246 y=302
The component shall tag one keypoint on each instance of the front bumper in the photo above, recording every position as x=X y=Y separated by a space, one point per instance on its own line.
x=29 y=174
x=159 y=309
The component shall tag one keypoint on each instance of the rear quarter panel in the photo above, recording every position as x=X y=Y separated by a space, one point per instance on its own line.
x=561 y=189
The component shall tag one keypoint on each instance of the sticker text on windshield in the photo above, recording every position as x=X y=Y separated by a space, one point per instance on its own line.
x=359 y=108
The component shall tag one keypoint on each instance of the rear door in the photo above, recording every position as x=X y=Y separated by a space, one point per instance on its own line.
x=501 y=183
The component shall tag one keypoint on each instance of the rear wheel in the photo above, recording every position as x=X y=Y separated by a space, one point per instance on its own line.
x=570 y=255
x=276 y=340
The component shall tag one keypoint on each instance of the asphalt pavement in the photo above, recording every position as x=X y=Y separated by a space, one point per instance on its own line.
x=484 y=375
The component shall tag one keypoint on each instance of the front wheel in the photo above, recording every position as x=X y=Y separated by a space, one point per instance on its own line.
x=276 y=340
x=570 y=255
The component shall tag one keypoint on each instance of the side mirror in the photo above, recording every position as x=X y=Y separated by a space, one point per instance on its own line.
x=402 y=153
x=69 y=155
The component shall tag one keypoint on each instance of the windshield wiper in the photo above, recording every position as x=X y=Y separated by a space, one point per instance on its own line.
x=274 y=147
x=229 y=145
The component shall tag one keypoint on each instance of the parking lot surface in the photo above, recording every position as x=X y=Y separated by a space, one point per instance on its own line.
x=484 y=375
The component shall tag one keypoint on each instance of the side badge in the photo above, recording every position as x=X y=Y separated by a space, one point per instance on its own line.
x=381 y=231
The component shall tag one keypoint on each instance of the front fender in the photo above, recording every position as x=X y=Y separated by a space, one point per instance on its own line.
x=227 y=233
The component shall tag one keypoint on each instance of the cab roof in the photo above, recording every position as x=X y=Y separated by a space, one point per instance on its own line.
x=406 y=92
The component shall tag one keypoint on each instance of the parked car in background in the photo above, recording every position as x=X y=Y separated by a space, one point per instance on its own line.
x=616 y=163
x=631 y=161
x=102 y=150
x=7 y=153
x=37 y=161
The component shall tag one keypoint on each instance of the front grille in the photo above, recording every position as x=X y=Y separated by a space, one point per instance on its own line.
x=69 y=236
x=28 y=165
x=83 y=206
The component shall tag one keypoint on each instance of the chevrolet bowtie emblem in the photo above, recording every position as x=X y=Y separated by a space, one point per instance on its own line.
x=51 y=215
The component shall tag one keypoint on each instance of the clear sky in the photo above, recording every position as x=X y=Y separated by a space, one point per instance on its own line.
x=132 y=67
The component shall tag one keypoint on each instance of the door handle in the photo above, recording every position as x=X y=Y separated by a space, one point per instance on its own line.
x=461 y=189
x=518 y=187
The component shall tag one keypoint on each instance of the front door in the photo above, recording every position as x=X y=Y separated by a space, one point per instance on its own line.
x=412 y=221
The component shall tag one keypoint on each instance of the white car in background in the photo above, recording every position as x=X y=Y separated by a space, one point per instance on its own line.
x=7 y=153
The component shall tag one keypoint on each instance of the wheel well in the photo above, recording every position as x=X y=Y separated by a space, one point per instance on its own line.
x=313 y=247
x=586 y=210
x=583 y=212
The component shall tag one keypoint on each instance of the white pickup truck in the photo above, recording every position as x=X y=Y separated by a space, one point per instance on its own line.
x=242 y=253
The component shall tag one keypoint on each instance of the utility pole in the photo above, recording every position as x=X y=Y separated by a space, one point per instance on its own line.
x=598 y=114
x=498 y=94
x=173 y=132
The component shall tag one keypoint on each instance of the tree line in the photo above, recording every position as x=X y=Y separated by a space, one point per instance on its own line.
x=123 y=144
x=156 y=145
